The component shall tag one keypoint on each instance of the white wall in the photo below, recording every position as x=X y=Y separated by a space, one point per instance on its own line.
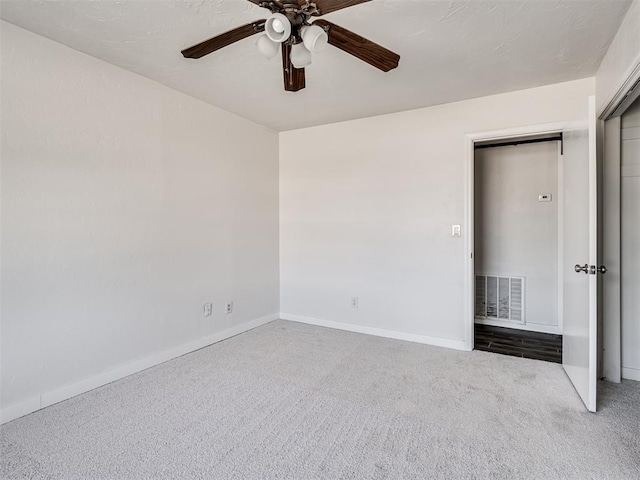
x=622 y=58
x=630 y=241
x=125 y=207
x=366 y=209
x=515 y=234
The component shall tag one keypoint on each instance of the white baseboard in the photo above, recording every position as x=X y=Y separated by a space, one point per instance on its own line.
x=47 y=399
x=379 y=332
x=530 y=327
x=629 y=373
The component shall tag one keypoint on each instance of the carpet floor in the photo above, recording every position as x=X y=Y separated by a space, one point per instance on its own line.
x=293 y=401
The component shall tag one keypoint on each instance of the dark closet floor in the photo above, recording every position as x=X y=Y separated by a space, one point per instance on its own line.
x=519 y=343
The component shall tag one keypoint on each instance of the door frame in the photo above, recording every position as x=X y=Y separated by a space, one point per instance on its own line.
x=609 y=120
x=469 y=174
x=611 y=368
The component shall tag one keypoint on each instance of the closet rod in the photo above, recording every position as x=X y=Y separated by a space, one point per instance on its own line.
x=557 y=138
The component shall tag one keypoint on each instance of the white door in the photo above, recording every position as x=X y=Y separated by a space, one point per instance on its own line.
x=580 y=272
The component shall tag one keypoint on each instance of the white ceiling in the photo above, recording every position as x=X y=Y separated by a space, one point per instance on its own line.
x=450 y=50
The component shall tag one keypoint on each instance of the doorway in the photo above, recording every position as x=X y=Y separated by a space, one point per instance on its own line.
x=517 y=247
x=579 y=246
x=630 y=241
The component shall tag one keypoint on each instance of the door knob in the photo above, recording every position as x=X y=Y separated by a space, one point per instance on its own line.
x=584 y=268
x=602 y=269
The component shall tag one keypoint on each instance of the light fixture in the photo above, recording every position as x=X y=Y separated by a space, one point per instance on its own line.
x=314 y=38
x=267 y=47
x=294 y=25
x=300 y=56
x=278 y=27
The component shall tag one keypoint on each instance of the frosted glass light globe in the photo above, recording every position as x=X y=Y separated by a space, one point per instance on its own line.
x=314 y=38
x=300 y=56
x=278 y=27
x=267 y=47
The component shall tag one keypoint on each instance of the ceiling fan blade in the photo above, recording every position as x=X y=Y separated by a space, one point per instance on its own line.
x=360 y=47
x=224 y=39
x=328 y=6
x=294 y=79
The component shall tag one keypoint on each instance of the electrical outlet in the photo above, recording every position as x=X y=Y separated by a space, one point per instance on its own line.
x=455 y=230
x=354 y=302
x=229 y=308
x=208 y=309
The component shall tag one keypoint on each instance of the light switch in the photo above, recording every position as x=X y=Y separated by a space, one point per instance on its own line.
x=544 y=197
x=455 y=231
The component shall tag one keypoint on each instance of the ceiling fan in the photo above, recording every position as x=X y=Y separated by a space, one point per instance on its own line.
x=290 y=30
